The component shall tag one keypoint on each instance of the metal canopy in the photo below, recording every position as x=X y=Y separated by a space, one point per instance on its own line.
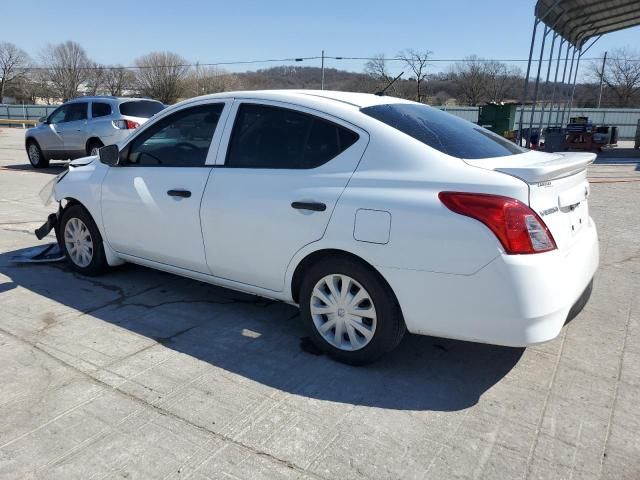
x=578 y=20
x=574 y=26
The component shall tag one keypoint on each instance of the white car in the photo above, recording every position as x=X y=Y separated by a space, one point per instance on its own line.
x=375 y=215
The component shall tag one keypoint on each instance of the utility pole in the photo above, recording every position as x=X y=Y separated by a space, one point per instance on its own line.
x=322 y=81
x=604 y=61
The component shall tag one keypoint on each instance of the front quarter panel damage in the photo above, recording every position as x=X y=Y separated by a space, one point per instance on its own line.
x=82 y=184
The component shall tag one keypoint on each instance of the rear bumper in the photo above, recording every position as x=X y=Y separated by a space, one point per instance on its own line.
x=515 y=300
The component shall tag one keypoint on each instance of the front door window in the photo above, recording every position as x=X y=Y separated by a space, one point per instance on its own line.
x=179 y=140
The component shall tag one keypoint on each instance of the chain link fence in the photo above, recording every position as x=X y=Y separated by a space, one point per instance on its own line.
x=626 y=119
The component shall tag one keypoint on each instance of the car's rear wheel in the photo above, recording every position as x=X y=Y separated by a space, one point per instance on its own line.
x=82 y=242
x=93 y=146
x=36 y=157
x=351 y=312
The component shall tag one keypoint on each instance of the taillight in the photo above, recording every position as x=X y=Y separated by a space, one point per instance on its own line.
x=125 y=124
x=519 y=229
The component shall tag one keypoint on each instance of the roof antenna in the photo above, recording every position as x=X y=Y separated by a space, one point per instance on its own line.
x=381 y=92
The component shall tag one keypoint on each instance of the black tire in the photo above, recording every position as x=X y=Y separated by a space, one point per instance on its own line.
x=95 y=143
x=35 y=155
x=98 y=263
x=390 y=326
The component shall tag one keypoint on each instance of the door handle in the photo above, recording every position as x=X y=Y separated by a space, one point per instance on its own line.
x=313 y=206
x=179 y=193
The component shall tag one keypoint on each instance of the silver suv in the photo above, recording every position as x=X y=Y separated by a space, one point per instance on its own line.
x=83 y=125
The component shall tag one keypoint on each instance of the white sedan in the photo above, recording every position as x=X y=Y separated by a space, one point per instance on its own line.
x=375 y=215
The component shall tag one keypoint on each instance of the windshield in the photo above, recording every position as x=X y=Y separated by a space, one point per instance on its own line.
x=140 y=108
x=443 y=131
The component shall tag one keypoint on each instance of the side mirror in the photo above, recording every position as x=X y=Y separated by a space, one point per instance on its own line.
x=42 y=120
x=109 y=155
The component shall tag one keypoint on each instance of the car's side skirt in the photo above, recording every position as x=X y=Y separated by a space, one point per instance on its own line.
x=221 y=282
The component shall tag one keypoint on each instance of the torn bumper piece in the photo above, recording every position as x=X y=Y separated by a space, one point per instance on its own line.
x=46 y=253
x=41 y=254
x=50 y=224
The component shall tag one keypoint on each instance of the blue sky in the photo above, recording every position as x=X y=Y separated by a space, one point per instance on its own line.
x=213 y=31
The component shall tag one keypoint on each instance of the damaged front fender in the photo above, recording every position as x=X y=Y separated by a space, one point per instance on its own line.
x=47 y=192
x=80 y=184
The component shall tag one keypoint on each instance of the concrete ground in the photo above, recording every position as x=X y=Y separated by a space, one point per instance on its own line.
x=141 y=374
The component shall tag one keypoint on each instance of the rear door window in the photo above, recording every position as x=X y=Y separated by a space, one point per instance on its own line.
x=140 y=108
x=443 y=131
x=273 y=137
x=100 y=109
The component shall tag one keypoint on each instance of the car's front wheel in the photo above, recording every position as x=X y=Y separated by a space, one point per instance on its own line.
x=351 y=312
x=82 y=242
x=36 y=157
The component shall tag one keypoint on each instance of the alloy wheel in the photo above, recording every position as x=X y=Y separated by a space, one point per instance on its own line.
x=34 y=154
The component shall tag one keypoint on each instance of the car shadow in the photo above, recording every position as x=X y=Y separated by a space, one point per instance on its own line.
x=265 y=341
x=52 y=169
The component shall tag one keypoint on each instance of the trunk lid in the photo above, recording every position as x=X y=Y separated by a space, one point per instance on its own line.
x=558 y=188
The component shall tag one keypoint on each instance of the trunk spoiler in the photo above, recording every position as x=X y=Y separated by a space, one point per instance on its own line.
x=535 y=167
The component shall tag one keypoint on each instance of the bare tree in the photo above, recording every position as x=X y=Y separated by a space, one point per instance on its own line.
x=96 y=78
x=118 y=79
x=377 y=68
x=69 y=67
x=418 y=62
x=35 y=86
x=502 y=81
x=621 y=75
x=471 y=78
x=13 y=62
x=479 y=80
x=160 y=75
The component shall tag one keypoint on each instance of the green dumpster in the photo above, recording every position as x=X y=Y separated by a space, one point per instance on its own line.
x=497 y=117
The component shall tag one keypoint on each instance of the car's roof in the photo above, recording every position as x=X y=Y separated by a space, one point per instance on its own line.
x=342 y=105
x=353 y=99
x=108 y=97
x=302 y=97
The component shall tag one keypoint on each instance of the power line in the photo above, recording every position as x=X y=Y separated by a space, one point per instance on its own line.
x=482 y=60
x=213 y=64
x=302 y=59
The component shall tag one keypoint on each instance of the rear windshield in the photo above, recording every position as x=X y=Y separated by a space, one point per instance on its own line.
x=140 y=108
x=443 y=131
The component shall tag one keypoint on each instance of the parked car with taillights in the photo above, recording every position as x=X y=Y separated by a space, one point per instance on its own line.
x=81 y=126
x=375 y=215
